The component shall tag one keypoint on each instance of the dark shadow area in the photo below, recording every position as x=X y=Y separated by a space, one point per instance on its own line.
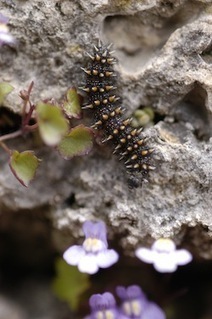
x=9 y=121
x=25 y=243
x=207 y=54
x=27 y=258
x=158 y=117
x=193 y=110
x=70 y=201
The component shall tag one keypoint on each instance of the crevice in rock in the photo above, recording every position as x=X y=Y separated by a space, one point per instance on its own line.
x=207 y=54
x=70 y=201
x=9 y=121
x=158 y=117
x=193 y=110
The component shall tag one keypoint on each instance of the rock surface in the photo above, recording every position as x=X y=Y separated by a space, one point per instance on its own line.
x=164 y=49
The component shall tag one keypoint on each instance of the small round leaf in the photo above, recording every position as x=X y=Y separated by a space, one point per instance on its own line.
x=51 y=122
x=78 y=141
x=72 y=106
x=24 y=165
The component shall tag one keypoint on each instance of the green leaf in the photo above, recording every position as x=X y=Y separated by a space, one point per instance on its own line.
x=72 y=106
x=78 y=141
x=24 y=166
x=5 y=89
x=150 y=112
x=143 y=117
x=69 y=283
x=51 y=122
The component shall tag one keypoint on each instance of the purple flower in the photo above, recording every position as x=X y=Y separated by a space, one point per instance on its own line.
x=164 y=256
x=103 y=306
x=153 y=311
x=134 y=304
x=93 y=254
x=5 y=36
x=133 y=299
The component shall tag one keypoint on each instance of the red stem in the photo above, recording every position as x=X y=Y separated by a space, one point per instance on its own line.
x=26 y=117
x=31 y=127
x=4 y=146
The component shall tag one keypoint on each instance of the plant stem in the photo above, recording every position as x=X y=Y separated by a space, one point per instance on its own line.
x=31 y=127
x=26 y=117
x=10 y=135
x=4 y=146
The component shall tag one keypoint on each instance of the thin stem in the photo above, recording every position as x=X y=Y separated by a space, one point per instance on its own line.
x=28 y=116
x=25 y=118
x=4 y=146
x=31 y=127
x=10 y=135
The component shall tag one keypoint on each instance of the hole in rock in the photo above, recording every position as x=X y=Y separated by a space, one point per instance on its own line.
x=207 y=54
x=193 y=110
x=70 y=201
x=158 y=117
x=58 y=62
x=9 y=121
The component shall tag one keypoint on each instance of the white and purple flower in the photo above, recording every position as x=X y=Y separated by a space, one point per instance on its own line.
x=134 y=304
x=5 y=36
x=93 y=253
x=164 y=256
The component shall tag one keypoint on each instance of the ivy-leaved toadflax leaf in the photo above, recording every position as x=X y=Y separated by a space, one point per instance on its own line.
x=51 y=122
x=71 y=106
x=24 y=166
x=78 y=141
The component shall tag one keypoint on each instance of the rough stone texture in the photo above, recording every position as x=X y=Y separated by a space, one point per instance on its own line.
x=164 y=48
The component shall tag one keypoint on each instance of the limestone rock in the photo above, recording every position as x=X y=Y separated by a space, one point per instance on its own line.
x=164 y=49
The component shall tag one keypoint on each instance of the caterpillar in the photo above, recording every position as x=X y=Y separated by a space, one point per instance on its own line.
x=102 y=99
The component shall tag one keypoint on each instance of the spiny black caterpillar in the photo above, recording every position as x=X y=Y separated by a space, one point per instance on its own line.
x=101 y=89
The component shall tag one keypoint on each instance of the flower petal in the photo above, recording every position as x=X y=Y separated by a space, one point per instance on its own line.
x=107 y=258
x=95 y=230
x=145 y=254
x=88 y=264
x=73 y=255
x=102 y=302
x=153 y=311
x=164 y=263
x=182 y=256
x=131 y=292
